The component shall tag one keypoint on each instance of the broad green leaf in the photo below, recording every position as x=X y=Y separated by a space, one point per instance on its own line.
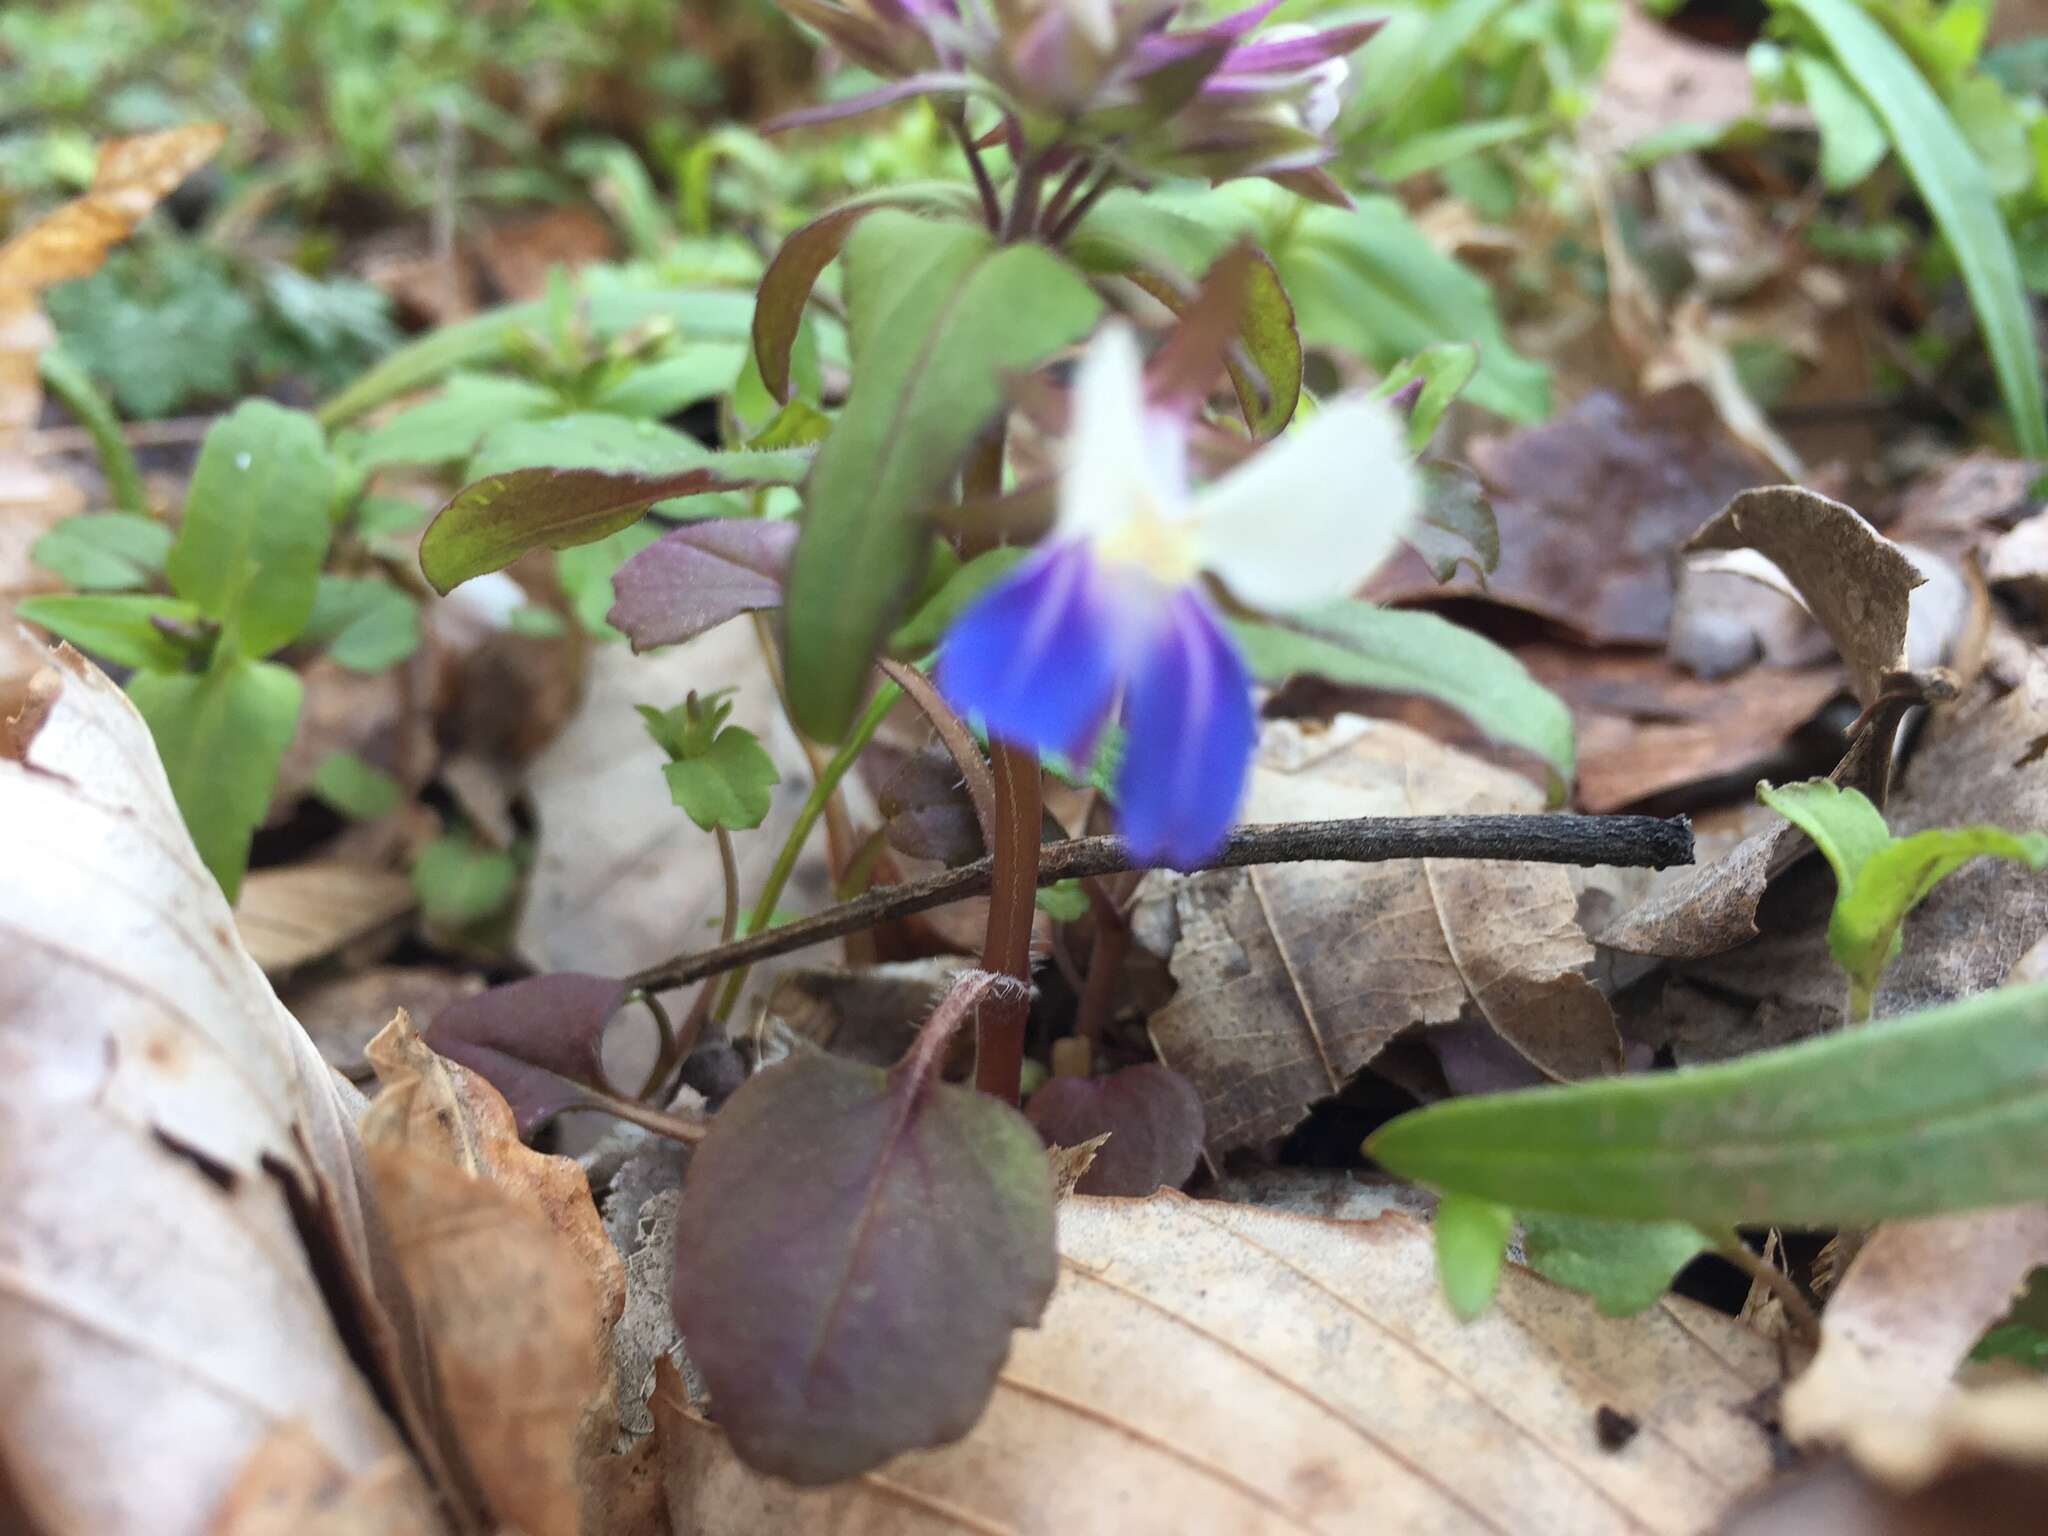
x=461 y=882
x=586 y=440
x=1409 y=651
x=104 y=551
x=1937 y=1111
x=1852 y=140
x=939 y=317
x=1879 y=879
x=221 y=734
x=256 y=525
x=495 y=520
x=358 y=790
x=659 y=389
x=589 y=572
x=730 y=784
x=1953 y=182
x=1444 y=370
x=448 y=427
x=1623 y=1265
x=366 y=624
x=1471 y=1245
x=117 y=627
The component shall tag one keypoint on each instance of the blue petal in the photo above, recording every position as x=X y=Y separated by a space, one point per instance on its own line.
x=1188 y=738
x=1038 y=657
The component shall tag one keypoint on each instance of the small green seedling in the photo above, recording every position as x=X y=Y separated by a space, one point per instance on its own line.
x=719 y=774
x=1879 y=878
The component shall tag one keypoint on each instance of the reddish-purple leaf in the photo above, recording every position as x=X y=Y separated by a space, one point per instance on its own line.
x=1152 y=1114
x=853 y=1248
x=927 y=809
x=490 y=524
x=538 y=1041
x=698 y=576
x=793 y=272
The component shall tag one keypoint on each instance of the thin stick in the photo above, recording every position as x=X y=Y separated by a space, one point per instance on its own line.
x=1630 y=842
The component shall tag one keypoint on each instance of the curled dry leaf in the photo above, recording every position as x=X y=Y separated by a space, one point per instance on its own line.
x=1213 y=1368
x=514 y=1278
x=1913 y=1304
x=1294 y=977
x=181 y=1226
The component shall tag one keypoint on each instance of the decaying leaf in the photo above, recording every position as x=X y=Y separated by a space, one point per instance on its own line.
x=1150 y=1113
x=1212 y=1368
x=1293 y=977
x=181 y=1218
x=849 y=1292
x=512 y=1274
x=1914 y=1302
x=289 y=1486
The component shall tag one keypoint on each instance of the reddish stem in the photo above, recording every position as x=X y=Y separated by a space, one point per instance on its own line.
x=1012 y=901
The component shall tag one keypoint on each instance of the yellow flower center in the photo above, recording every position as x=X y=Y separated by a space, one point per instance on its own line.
x=1163 y=548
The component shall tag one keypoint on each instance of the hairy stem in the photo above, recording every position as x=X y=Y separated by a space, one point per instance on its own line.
x=1013 y=889
x=1632 y=842
x=793 y=845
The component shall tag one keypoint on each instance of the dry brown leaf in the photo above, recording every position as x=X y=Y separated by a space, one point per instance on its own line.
x=1912 y=1305
x=1214 y=1368
x=289 y=1486
x=1657 y=78
x=342 y=1013
x=294 y=914
x=181 y=1216
x=1853 y=579
x=1293 y=977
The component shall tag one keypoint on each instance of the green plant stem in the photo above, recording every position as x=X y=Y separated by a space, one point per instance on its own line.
x=1013 y=889
x=73 y=387
x=807 y=818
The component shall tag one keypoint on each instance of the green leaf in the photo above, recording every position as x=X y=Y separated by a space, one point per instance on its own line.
x=1457 y=525
x=587 y=573
x=117 y=627
x=104 y=551
x=1937 y=1111
x=587 y=440
x=939 y=315
x=365 y=623
x=927 y=626
x=495 y=520
x=1426 y=152
x=1063 y=901
x=358 y=790
x=1958 y=193
x=461 y=882
x=1879 y=878
x=1471 y=1245
x=1409 y=651
x=448 y=427
x=660 y=389
x=221 y=734
x=1444 y=370
x=730 y=784
x=256 y=525
x=1852 y=140
x=1623 y=1265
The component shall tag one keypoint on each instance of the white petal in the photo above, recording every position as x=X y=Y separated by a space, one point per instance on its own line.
x=1314 y=514
x=1109 y=477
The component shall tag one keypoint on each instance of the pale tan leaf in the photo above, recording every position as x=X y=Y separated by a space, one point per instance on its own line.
x=181 y=1216
x=298 y=913
x=1913 y=1303
x=290 y=1487
x=1293 y=977
x=1212 y=1368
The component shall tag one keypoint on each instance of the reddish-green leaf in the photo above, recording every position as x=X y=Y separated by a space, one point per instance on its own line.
x=853 y=1248
x=538 y=1041
x=490 y=524
x=698 y=576
x=1152 y=1114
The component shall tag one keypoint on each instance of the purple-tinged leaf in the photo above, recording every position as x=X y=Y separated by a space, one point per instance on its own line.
x=490 y=524
x=1457 y=526
x=1265 y=356
x=538 y=1041
x=853 y=1248
x=1153 y=1117
x=698 y=576
x=927 y=810
x=932 y=83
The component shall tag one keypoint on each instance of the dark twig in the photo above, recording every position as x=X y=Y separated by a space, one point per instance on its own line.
x=1633 y=842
